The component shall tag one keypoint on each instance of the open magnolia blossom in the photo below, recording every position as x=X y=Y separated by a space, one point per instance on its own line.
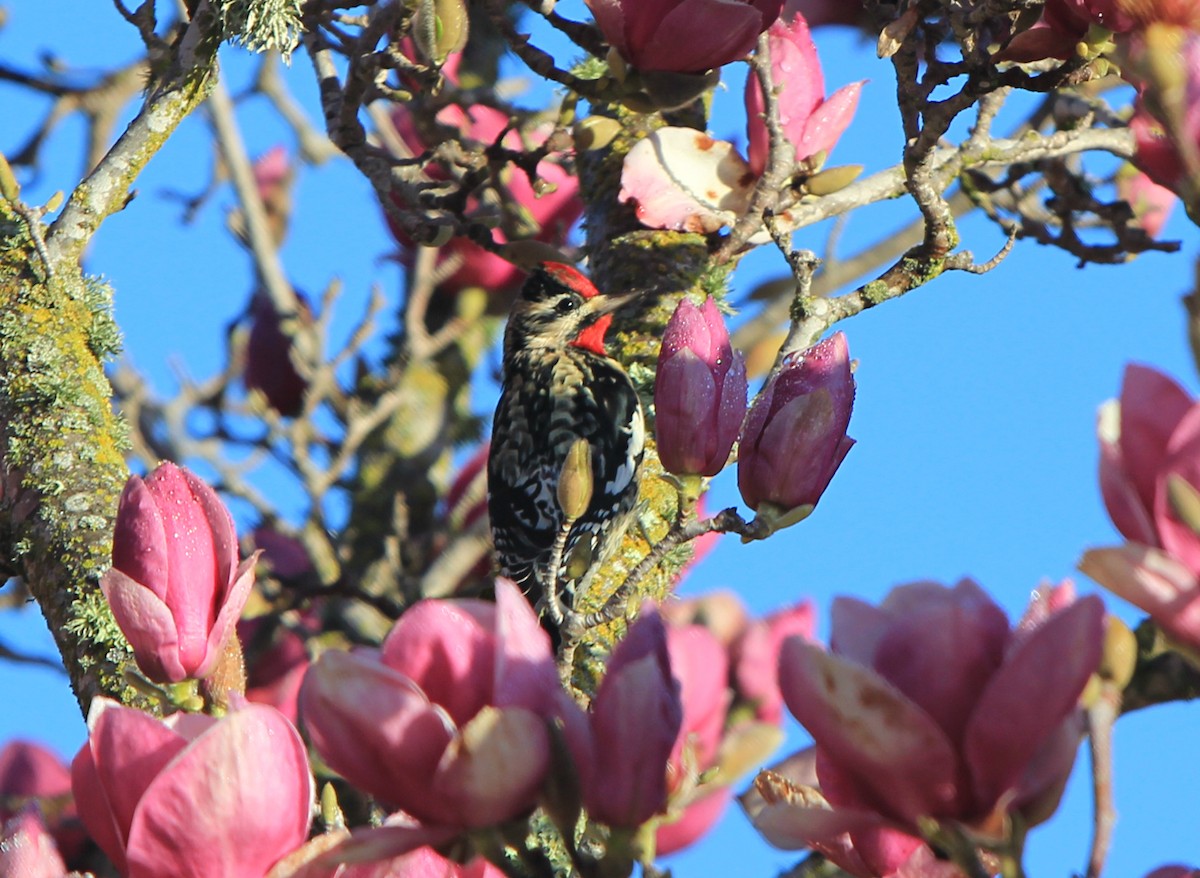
x=1149 y=473
x=450 y=720
x=683 y=179
x=193 y=796
x=929 y=706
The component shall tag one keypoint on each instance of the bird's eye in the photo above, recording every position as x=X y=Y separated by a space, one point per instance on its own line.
x=566 y=305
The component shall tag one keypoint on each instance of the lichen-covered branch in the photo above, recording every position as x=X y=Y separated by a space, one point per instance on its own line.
x=168 y=102
x=63 y=466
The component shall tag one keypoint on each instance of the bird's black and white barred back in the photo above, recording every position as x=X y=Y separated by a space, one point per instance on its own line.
x=559 y=386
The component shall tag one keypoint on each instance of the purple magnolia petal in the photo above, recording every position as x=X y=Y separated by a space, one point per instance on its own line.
x=685 y=180
x=1132 y=518
x=1029 y=697
x=855 y=629
x=699 y=35
x=1152 y=405
x=961 y=645
x=861 y=722
x=1182 y=461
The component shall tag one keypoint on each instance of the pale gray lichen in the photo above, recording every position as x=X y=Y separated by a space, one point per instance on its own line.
x=260 y=25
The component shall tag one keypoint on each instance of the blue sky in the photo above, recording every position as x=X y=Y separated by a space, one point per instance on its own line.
x=974 y=417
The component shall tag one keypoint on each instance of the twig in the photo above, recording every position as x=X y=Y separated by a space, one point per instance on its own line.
x=781 y=160
x=9 y=654
x=106 y=189
x=1101 y=716
x=685 y=530
x=233 y=150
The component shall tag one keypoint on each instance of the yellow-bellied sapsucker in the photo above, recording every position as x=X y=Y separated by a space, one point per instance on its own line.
x=560 y=387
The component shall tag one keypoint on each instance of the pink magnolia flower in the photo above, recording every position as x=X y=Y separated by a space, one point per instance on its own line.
x=811 y=123
x=27 y=850
x=699 y=393
x=192 y=796
x=448 y=721
x=683 y=36
x=1147 y=440
x=929 y=706
x=269 y=366
x=683 y=179
x=794 y=438
x=1173 y=872
x=629 y=772
x=550 y=214
x=31 y=774
x=175 y=587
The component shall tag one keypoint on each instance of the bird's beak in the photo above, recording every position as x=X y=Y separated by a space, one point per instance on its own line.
x=607 y=303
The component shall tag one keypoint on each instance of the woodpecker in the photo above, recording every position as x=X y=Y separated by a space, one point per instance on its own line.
x=560 y=387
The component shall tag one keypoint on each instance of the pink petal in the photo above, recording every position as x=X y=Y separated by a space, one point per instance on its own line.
x=824 y=127
x=1182 y=461
x=124 y=753
x=1029 y=697
x=235 y=801
x=701 y=666
x=374 y=726
x=1153 y=581
x=682 y=179
x=1152 y=406
x=27 y=769
x=448 y=648
x=228 y=615
x=148 y=625
x=690 y=826
x=526 y=675
x=139 y=538
x=27 y=849
x=941 y=655
x=870 y=730
x=492 y=772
